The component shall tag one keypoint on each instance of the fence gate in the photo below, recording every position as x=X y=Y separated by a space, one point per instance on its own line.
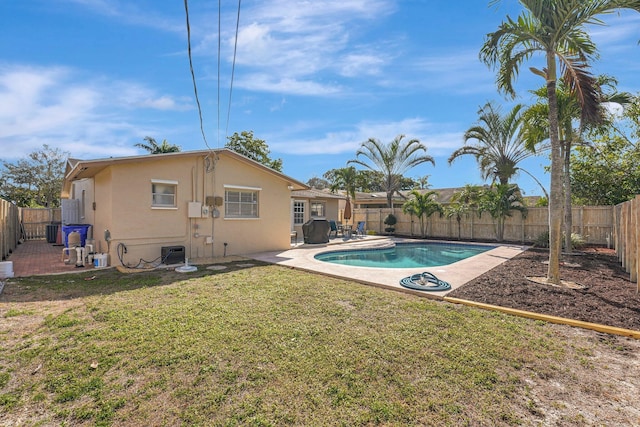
x=35 y=221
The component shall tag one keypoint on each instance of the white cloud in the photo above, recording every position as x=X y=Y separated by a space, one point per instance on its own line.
x=439 y=138
x=86 y=117
x=295 y=47
x=619 y=29
x=277 y=84
x=133 y=13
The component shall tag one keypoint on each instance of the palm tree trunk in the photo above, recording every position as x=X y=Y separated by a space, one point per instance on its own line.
x=390 y=201
x=568 y=219
x=556 y=199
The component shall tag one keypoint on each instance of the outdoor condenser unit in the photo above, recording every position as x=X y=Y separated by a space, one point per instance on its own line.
x=172 y=254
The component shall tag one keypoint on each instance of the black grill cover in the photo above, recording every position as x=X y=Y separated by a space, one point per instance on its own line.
x=316 y=231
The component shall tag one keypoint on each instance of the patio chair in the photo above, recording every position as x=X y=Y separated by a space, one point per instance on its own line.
x=360 y=229
x=333 y=228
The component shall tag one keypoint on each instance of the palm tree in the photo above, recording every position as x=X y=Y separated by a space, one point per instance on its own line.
x=393 y=160
x=457 y=210
x=556 y=29
x=421 y=205
x=499 y=201
x=536 y=129
x=500 y=144
x=462 y=203
x=344 y=179
x=154 y=148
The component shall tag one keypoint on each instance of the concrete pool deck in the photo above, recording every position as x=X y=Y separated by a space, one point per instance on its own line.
x=457 y=274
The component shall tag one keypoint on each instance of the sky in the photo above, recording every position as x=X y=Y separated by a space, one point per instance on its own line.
x=313 y=78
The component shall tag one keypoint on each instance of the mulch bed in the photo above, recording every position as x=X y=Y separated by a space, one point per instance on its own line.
x=609 y=298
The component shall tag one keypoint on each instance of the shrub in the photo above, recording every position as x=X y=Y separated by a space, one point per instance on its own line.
x=390 y=221
x=577 y=240
x=542 y=240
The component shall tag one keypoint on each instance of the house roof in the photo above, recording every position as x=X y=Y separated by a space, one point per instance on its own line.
x=79 y=169
x=444 y=196
x=313 y=193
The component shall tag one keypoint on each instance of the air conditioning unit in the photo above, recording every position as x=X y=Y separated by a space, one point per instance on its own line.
x=172 y=254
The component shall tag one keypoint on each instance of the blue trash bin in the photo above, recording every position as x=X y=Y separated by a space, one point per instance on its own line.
x=83 y=229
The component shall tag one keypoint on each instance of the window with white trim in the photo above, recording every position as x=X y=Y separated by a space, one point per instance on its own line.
x=240 y=203
x=298 y=213
x=163 y=193
x=317 y=209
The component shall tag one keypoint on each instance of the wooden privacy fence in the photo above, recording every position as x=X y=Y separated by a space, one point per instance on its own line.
x=35 y=221
x=594 y=223
x=9 y=228
x=627 y=236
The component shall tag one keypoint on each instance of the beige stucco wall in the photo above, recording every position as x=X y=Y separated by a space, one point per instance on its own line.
x=123 y=206
x=332 y=211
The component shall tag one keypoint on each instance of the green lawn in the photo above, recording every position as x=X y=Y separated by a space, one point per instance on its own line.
x=261 y=345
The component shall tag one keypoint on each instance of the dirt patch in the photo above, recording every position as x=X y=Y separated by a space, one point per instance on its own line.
x=604 y=383
x=608 y=298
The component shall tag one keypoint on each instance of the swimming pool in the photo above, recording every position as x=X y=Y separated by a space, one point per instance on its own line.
x=405 y=255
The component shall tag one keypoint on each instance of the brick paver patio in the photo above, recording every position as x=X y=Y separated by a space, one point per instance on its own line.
x=34 y=257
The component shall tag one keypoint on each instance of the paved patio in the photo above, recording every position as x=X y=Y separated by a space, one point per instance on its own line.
x=34 y=257
x=456 y=274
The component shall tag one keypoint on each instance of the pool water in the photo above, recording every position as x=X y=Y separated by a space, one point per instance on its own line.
x=405 y=255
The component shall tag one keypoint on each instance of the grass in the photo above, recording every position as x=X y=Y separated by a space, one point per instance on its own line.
x=261 y=346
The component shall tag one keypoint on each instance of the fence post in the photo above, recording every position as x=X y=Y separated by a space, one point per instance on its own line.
x=633 y=250
x=637 y=243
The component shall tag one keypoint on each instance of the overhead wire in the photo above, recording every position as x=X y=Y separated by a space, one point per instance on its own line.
x=219 y=59
x=233 y=69
x=193 y=76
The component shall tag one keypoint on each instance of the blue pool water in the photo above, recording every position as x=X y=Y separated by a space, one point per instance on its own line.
x=405 y=255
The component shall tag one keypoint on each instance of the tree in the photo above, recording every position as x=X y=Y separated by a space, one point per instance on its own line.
x=571 y=127
x=422 y=182
x=392 y=160
x=500 y=145
x=606 y=173
x=422 y=205
x=256 y=149
x=153 y=148
x=35 y=181
x=555 y=29
x=457 y=210
x=500 y=201
x=343 y=179
x=462 y=203
x=318 y=183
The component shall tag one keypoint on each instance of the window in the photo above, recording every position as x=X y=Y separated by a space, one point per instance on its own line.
x=317 y=209
x=298 y=213
x=241 y=203
x=163 y=193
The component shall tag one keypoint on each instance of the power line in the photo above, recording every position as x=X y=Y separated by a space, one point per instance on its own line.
x=233 y=69
x=193 y=76
x=219 y=43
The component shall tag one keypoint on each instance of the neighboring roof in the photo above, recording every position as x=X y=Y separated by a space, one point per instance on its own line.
x=444 y=195
x=313 y=193
x=79 y=169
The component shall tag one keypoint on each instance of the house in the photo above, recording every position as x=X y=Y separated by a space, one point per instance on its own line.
x=315 y=204
x=378 y=200
x=211 y=203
